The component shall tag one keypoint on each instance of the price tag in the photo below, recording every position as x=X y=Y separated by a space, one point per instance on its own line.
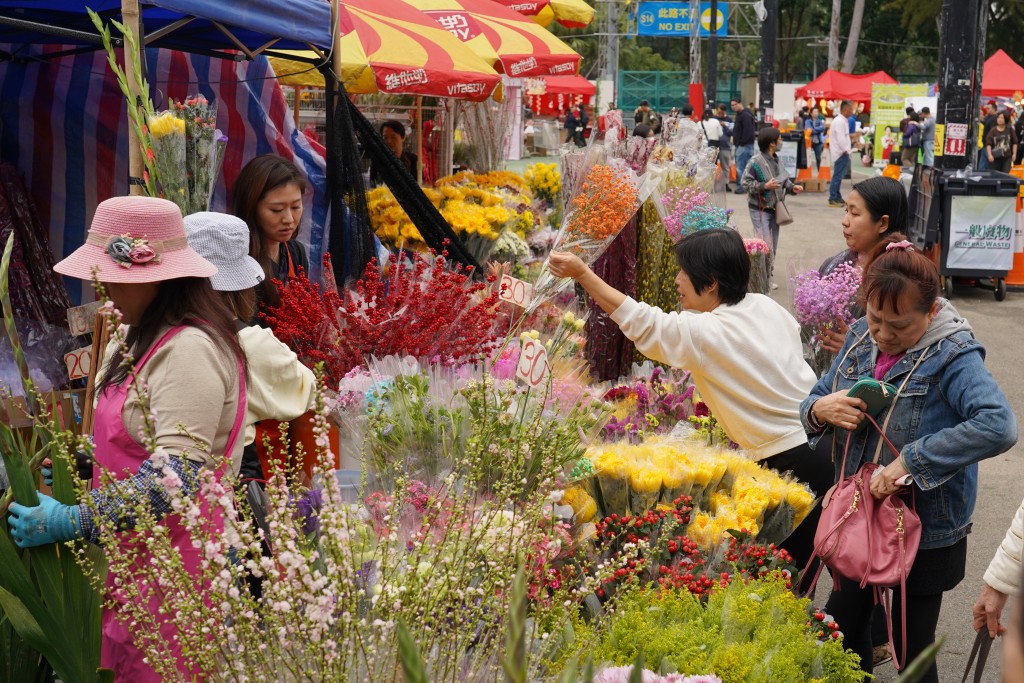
x=533 y=365
x=80 y=318
x=515 y=291
x=79 y=362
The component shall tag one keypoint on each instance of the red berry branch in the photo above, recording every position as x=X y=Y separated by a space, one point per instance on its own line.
x=425 y=310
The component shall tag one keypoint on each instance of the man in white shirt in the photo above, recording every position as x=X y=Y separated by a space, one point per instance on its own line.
x=840 y=147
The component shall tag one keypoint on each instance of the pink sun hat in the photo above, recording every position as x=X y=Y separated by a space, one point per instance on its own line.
x=136 y=239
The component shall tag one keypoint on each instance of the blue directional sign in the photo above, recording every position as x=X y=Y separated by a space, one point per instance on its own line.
x=673 y=19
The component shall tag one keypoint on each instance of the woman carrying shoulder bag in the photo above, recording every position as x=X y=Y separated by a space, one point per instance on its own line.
x=766 y=184
x=948 y=415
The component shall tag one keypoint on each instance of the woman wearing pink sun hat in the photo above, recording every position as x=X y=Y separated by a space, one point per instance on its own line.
x=185 y=352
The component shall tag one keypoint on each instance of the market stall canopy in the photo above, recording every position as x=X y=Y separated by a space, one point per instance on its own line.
x=504 y=38
x=568 y=13
x=1003 y=77
x=394 y=48
x=197 y=26
x=551 y=95
x=835 y=85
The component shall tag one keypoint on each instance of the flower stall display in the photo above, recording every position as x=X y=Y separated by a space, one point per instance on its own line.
x=747 y=632
x=729 y=491
x=654 y=402
x=423 y=310
x=821 y=301
x=493 y=214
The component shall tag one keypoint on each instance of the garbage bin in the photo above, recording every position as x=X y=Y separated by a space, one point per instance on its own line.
x=978 y=220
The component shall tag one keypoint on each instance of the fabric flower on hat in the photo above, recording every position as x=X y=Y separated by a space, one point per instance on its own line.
x=127 y=252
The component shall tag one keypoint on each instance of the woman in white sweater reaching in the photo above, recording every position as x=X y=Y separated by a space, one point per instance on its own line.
x=743 y=351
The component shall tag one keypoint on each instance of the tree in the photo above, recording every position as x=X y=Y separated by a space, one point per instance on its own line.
x=833 y=34
x=850 y=57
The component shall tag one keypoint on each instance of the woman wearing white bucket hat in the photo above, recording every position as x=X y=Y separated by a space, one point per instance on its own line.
x=279 y=387
x=186 y=354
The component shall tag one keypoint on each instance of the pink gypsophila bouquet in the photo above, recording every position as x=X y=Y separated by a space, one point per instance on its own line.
x=820 y=301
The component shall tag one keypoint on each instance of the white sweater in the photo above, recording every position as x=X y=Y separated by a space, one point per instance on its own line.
x=280 y=387
x=746 y=360
x=1003 y=572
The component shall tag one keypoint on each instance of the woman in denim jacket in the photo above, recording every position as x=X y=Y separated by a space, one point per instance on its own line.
x=948 y=415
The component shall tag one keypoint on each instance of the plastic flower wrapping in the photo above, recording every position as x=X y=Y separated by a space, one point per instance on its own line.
x=204 y=149
x=167 y=135
x=761 y=259
x=729 y=492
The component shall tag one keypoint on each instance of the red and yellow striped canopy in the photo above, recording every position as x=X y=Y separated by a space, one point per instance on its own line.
x=389 y=46
x=568 y=13
x=504 y=38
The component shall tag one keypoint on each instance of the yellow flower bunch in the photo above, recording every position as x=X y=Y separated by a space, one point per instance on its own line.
x=390 y=221
x=166 y=123
x=582 y=503
x=545 y=181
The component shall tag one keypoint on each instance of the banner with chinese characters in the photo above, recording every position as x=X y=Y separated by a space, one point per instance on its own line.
x=981 y=234
x=673 y=19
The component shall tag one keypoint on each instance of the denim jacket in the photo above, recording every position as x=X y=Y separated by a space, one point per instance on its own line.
x=950 y=415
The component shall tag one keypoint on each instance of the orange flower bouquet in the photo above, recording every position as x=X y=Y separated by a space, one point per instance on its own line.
x=607 y=196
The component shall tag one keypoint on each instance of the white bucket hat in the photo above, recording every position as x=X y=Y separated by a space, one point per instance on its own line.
x=223 y=240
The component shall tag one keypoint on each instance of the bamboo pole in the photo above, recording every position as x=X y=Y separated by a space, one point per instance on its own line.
x=100 y=337
x=130 y=16
x=419 y=139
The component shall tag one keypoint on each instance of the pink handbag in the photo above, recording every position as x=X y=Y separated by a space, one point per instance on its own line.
x=871 y=541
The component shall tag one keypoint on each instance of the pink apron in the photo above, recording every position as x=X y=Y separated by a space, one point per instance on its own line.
x=117 y=452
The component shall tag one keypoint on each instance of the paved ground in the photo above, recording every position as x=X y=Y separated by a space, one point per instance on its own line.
x=816 y=234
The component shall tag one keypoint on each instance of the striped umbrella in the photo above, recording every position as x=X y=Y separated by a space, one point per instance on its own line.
x=393 y=48
x=568 y=13
x=506 y=39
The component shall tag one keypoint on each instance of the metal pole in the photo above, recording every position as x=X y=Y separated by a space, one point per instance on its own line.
x=130 y=16
x=419 y=139
x=769 y=36
x=963 y=47
x=711 y=87
x=694 y=41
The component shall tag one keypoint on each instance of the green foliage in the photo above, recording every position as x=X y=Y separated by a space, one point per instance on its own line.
x=922 y=663
x=413 y=668
x=44 y=595
x=746 y=633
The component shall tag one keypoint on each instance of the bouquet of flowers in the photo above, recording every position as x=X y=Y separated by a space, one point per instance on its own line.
x=688 y=209
x=821 y=301
x=167 y=133
x=760 y=265
x=545 y=181
x=653 y=403
x=204 y=149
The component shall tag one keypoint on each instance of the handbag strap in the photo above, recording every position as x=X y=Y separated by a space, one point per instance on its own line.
x=982 y=645
x=888 y=415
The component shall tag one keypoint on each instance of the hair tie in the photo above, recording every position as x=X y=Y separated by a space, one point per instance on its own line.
x=903 y=244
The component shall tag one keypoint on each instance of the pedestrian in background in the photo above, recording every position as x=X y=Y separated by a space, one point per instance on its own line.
x=911 y=140
x=818 y=129
x=840 y=147
x=927 y=137
x=743 y=136
x=1001 y=144
x=725 y=154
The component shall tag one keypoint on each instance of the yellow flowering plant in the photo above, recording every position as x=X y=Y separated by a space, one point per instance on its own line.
x=167 y=133
x=545 y=181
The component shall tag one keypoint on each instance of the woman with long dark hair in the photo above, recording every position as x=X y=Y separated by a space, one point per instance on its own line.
x=268 y=196
x=186 y=366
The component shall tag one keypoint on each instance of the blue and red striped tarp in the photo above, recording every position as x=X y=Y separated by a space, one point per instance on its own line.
x=63 y=124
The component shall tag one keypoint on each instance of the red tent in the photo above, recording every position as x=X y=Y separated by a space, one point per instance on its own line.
x=835 y=85
x=551 y=95
x=1002 y=77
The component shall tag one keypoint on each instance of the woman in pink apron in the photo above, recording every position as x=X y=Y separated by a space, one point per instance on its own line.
x=186 y=352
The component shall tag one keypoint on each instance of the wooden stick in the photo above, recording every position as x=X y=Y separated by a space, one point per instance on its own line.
x=100 y=337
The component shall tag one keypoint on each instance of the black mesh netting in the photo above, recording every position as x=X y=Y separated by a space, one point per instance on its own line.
x=346 y=171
